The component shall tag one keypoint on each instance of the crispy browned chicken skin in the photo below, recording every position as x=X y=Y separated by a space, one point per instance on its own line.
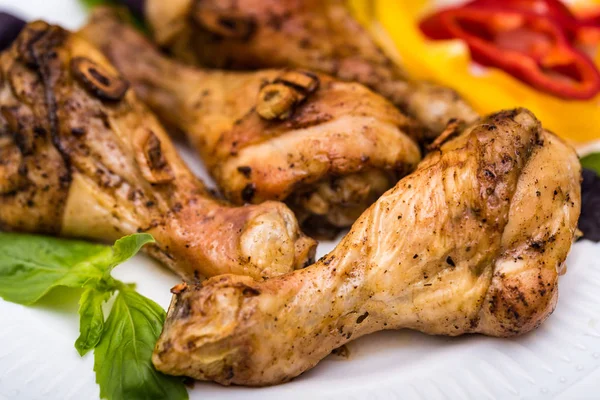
x=472 y=242
x=316 y=34
x=326 y=147
x=81 y=156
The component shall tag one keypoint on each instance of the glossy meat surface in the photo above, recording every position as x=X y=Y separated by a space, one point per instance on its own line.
x=328 y=148
x=472 y=242
x=81 y=156
x=313 y=34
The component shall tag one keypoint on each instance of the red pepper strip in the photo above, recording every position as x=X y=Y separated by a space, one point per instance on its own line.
x=434 y=27
x=589 y=28
x=554 y=9
x=586 y=31
x=531 y=48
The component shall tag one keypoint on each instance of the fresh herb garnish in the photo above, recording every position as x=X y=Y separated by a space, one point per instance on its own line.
x=94 y=3
x=592 y=161
x=91 y=320
x=135 y=7
x=31 y=266
x=122 y=359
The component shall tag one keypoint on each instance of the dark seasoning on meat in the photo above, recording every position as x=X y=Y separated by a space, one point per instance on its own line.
x=82 y=157
x=489 y=214
x=326 y=147
x=488 y=232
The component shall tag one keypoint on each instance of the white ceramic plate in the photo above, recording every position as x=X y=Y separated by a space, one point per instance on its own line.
x=558 y=360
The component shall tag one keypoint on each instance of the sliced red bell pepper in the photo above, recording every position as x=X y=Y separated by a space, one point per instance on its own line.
x=554 y=9
x=588 y=31
x=527 y=45
x=583 y=30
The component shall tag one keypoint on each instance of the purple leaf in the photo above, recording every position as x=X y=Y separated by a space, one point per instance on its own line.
x=137 y=7
x=10 y=26
x=589 y=222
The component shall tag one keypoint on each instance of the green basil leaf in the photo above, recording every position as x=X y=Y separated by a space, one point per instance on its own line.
x=592 y=161
x=136 y=20
x=123 y=359
x=91 y=319
x=32 y=265
x=128 y=246
x=95 y=3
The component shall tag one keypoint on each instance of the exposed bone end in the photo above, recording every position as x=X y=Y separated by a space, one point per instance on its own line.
x=272 y=241
x=276 y=101
x=229 y=25
x=150 y=158
x=204 y=238
x=199 y=339
x=98 y=81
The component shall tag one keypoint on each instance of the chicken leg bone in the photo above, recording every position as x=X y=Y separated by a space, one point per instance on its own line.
x=81 y=156
x=320 y=35
x=472 y=242
x=328 y=148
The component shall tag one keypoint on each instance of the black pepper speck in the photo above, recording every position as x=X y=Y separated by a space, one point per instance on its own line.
x=248 y=192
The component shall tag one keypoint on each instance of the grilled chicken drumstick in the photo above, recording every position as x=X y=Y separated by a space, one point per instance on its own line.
x=81 y=156
x=320 y=35
x=328 y=148
x=472 y=242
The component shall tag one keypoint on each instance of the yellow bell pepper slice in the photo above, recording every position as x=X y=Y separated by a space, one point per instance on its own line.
x=394 y=25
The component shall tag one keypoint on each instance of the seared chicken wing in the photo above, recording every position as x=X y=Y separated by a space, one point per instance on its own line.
x=316 y=34
x=472 y=242
x=326 y=147
x=81 y=156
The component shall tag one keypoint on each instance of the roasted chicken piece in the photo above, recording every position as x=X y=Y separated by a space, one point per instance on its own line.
x=472 y=242
x=320 y=35
x=326 y=147
x=81 y=156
